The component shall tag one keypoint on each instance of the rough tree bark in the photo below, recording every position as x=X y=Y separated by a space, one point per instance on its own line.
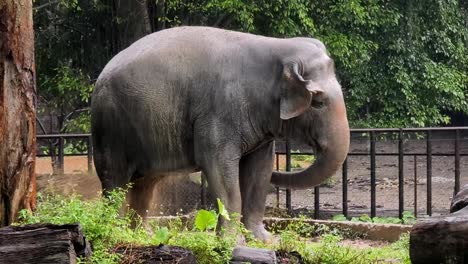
x=132 y=21
x=17 y=109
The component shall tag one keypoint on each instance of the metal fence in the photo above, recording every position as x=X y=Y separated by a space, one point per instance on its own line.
x=452 y=143
x=410 y=145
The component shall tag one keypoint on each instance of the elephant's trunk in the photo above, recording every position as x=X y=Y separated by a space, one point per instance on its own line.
x=330 y=151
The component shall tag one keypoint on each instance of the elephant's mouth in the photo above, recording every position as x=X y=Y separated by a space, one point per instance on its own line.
x=316 y=146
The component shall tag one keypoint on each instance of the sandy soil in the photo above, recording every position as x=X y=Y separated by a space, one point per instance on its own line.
x=78 y=180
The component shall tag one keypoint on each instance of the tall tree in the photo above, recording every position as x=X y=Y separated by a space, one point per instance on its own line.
x=17 y=109
x=132 y=21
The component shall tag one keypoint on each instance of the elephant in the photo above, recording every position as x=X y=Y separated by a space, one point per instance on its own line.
x=190 y=99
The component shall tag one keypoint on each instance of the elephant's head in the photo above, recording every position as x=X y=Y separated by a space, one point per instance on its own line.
x=313 y=111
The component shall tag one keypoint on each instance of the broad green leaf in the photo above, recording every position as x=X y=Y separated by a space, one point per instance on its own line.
x=161 y=236
x=222 y=210
x=205 y=220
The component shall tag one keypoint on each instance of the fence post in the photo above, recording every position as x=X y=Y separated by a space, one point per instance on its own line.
x=277 y=188
x=61 y=154
x=429 y=172
x=90 y=154
x=345 y=187
x=457 y=162
x=316 y=202
x=288 y=168
x=415 y=158
x=400 y=175
x=372 y=153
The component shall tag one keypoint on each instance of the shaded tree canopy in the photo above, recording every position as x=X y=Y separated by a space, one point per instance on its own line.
x=401 y=63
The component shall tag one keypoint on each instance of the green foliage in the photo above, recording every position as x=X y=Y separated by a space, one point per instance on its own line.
x=408 y=219
x=206 y=220
x=401 y=63
x=222 y=210
x=339 y=217
x=306 y=158
x=305 y=229
x=329 y=249
x=99 y=219
x=207 y=246
x=161 y=236
x=107 y=229
x=66 y=95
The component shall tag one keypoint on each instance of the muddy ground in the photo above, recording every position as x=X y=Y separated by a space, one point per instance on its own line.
x=76 y=179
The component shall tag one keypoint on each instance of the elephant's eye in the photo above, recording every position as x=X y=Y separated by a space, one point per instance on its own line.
x=317 y=103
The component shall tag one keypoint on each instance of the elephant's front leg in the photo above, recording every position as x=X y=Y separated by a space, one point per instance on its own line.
x=255 y=174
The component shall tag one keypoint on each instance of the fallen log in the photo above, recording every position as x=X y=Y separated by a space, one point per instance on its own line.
x=460 y=200
x=155 y=254
x=442 y=239
x=43 y=243
x=242 y=254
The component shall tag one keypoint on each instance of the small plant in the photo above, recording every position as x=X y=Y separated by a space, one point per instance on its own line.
x=107 y=229
x=289 y=241
x=161 y=236
x=408 y=219
x=207 y=220
x=339 y=217
x=100 y=219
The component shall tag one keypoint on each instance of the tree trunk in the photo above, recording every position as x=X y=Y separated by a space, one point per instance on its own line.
x=132 y=21
x=17 y=109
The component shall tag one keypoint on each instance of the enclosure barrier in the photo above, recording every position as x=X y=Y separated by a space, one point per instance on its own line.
x=56 y=144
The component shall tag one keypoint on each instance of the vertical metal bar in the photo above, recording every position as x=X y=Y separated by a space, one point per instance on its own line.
x=415 y=158
x=277 y=188
x=345 y=187
x=90 y=154
x=400 y=175
x=288 y=168
x=61 y=154
x=429 y=172
x=316 y=202
x=457 y=162
x=372 y=153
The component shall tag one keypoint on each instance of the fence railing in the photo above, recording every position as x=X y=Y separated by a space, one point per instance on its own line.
x=372 y=136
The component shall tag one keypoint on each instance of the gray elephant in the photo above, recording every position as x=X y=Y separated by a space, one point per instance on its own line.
x=204 y=99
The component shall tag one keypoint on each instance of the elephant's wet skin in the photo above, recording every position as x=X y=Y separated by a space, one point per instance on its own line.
x=197 y=98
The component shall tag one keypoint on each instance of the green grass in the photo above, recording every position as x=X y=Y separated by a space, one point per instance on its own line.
x=107 y=228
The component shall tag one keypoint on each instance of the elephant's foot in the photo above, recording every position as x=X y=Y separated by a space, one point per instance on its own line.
x=260 y=233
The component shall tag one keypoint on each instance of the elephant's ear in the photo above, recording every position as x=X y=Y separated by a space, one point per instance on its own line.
x=297 y=96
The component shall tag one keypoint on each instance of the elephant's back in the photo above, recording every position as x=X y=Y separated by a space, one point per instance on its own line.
x=183 y=49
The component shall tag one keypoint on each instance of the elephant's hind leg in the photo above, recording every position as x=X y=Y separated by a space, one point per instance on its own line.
x=140 y=195
x=112 y=169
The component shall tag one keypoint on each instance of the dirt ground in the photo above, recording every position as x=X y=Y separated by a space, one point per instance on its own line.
x=76 y=179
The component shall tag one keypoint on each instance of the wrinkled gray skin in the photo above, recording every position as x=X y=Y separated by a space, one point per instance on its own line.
x=194 y=98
